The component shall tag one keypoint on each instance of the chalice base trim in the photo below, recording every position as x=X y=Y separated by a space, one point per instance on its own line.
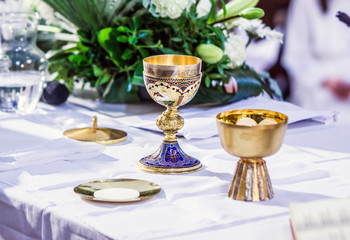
x=251 y=181
x=169 y=159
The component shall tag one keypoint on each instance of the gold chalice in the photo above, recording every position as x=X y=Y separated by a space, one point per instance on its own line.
x=251 y=143
x=171 y=81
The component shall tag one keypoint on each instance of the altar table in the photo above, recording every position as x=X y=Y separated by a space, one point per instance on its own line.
x=39 y=169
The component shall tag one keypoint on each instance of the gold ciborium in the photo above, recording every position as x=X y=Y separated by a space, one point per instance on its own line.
x=251 y=181
x=171 y=81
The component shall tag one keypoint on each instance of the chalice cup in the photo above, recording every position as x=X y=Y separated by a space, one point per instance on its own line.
x=171 y=81
x=251 y=181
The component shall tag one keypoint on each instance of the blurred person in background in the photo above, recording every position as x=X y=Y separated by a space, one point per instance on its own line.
x=317 y=55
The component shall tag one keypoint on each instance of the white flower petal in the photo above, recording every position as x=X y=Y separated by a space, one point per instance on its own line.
x=203 y=8
x=172 y=9
x=235 y=50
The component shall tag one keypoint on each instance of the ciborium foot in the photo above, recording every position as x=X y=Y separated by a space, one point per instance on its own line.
x=251 y=181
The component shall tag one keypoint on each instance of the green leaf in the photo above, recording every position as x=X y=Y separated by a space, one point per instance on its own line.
x=144 y=52
x=212 y=95
x=267 y=83
x=188 y=52
x=127 y=54
x=275 y=88
x=132 y=40
x=219 y=33
x=170 y=51
x=116 y=92
x=61 y=55
x=138 y=75
x=207 y=81
x=192 y=40
x=136 y=22
x=123 y=29
x=92 y=15
x=176 y=39
x=220 y=69
x=223 y=4
x=122 y=38
x=97 y=71
x=107 y=39
x=104 y=78
x=215 y=76
x=144 y=33
x=82 y=48
x=78 y=60
x=248 y=85
x=212 y=12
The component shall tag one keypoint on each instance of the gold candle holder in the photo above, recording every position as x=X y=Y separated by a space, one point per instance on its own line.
x=251 y=181
x=171 y=81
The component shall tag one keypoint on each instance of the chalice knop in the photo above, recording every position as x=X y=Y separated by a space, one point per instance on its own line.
x=171 y=81
x=251 y=181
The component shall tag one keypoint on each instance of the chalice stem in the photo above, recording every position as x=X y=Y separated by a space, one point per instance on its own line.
x=251 y=181
x=170 y=122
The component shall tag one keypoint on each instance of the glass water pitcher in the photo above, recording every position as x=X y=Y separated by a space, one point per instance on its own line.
x=23 y=66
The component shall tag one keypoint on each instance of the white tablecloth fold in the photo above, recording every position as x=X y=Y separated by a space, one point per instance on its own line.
x=53 y=150
x=200 y=122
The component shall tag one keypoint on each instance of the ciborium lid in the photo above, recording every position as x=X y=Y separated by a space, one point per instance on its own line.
x=104 y=136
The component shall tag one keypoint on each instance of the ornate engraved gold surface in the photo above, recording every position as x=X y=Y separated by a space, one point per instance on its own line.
x=251 y=143
x=172 y=92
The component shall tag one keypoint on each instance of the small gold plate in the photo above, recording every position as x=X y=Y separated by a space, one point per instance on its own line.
x=145 y=188
x=104 y=136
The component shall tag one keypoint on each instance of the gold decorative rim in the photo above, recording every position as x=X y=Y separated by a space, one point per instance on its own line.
x=172 y=60
x=228 y=117
x=164 y=170
x=171 y=79
x=104 y=136
x=146 y=189
x=116 y=136
x=172 y=66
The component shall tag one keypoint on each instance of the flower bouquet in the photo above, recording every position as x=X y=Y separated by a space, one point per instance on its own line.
x=115 y=35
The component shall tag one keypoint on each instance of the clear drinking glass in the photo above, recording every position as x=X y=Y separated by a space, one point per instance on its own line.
x=23 y=66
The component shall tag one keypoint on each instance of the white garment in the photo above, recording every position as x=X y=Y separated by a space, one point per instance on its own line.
x=317 y=48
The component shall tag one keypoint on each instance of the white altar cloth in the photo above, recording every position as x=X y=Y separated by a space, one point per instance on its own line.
x=37 y=199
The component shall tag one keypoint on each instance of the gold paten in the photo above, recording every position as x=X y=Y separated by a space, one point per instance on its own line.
x=145 y=188
x=171 y=81
x=251 y=143
x=104 y=136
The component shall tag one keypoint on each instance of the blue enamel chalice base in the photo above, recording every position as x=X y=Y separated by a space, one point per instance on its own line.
x=169 y=158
